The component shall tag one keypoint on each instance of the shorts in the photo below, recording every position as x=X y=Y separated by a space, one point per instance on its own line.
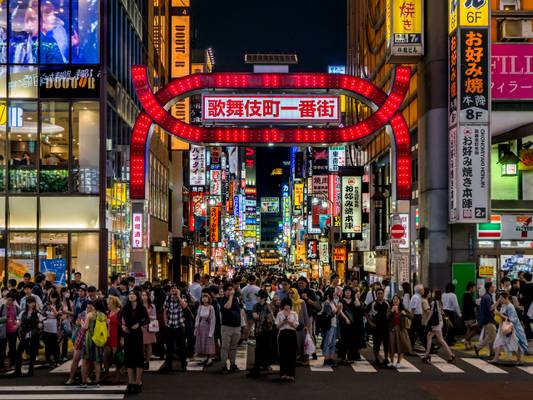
x=380 y=338
x=93 y=353
x=249 y=315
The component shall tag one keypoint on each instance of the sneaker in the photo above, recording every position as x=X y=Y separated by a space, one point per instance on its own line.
x=398 y=365
x=70 y=382
x=82 y=386
x=386 y=361
x=233 y=368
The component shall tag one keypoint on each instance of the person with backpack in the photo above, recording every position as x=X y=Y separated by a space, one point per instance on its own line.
x=96 y=334
x=133 y=317
x=377 y=319
x=434 y=328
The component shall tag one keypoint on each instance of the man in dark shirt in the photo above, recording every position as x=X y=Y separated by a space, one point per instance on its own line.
x=230 y=329
x=39 y=285
x=486 y=319
x=377 y=319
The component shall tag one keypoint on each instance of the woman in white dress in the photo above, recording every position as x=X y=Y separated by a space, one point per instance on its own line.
x=511 y=337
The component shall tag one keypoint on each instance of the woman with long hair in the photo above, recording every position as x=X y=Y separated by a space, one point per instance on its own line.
x=133 y=317
x=28 y=323
x=93 y=354
x=434 y=328
x=329 y=323
x=399 y=335
x=300 y=308
x=52 y=313
x=511 y=336
x=67 y=312
x=148 y=337
x=204 y=330
x=287 y=322
x=111 y=347
x=351 y=327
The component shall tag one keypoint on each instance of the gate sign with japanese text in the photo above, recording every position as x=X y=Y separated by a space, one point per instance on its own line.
x=270 y=108
x=351 y=213
x=468 y=111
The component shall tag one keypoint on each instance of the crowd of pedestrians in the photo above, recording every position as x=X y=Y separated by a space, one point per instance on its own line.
x=286 y=319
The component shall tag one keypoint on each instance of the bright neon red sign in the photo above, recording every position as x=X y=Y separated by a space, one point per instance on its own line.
x=270 y=109
x=387 y=113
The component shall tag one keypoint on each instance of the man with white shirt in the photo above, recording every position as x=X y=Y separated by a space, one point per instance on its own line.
x=249 y=297
x=415 y=306
x=195 y=289
x=451 y=308
x=371 y=295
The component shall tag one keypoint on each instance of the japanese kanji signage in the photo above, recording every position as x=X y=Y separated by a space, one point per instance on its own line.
x=137 y=231
x=351 y=204
x=469 y=109
x=323 y=251
x=311 y=246
x=298 y=193
x=404 y=30
x=269 y=109
x=215 y=182
x=214 y=224
x=337 y=158
x=320 y=184
x=512 y=71
x=320 y=161
x=197 y=166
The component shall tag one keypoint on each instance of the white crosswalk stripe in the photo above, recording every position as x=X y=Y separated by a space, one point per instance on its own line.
x=484 y=366
x=445 y=366
x=363 y=366
x=318 y=364
x=242 y=357
x=40 y=392
x=527 y=369
x=406 y=366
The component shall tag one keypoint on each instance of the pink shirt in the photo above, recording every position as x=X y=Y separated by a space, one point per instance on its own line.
x=11 y=323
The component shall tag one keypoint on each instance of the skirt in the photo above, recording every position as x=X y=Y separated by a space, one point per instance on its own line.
x=399 y=340
x=148 y=337
x=205 y=345
x=133 y=349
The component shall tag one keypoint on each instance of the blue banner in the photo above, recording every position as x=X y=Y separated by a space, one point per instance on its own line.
x=58 y=266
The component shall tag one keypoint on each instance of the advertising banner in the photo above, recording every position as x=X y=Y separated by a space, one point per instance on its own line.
x=517 y=227
x=320 y=161
x=468 y=111
x=270 y=108
x=298 y=192
x=311 y=246
x=337 y=158
x=323 y=250
x=197 y=166
x=69 y=82
x=214 y=224
x=512 y=71
x=269 y=205
x=320 y=184
x=137 y=231
x=215 y=182
x=404 y=28
x=351 y=213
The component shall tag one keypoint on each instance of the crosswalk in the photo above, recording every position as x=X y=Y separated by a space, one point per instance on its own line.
x=62 y=392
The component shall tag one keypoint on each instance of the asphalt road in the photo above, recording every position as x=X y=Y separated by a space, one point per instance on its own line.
x=468 y=379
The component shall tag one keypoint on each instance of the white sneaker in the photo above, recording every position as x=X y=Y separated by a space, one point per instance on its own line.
x=398 y=366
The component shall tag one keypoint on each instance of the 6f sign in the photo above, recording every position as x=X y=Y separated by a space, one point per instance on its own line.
x=474 y=13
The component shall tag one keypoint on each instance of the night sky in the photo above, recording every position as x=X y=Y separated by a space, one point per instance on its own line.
x=313 y=29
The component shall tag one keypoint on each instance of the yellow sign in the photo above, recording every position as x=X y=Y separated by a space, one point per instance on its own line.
x=3 y=113
x=486 y=271
x=298 y=195
x=404 y=30
x=180 y=60
x=452 y=15
x=474 y=12
x=407 y=17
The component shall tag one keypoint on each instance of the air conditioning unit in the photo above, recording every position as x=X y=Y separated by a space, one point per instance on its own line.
x=510 y=5
x=513 y=29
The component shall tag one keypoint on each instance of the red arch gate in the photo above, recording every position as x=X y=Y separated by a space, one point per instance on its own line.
x=386 y=112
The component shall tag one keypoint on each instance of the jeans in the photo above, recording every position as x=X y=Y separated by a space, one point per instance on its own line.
x=230 y=339
x=175 y=338
x=330 y=339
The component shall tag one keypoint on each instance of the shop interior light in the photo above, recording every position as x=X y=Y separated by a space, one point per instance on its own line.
x=508 y=160
x=324 y=204
x=315 y=201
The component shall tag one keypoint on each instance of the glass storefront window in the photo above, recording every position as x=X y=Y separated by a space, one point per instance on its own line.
x=21 y=254
x=53 y=252
x=84 y=256
x=22 y=212
x=86 y=147
x=85 y=31
x=23 y=82
x=69 y=213
x=3 y=76
x=22 y=123
x=3 y=136
x=24 y=35
x=3 y=31
x=55 y=35
x=53 y=175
